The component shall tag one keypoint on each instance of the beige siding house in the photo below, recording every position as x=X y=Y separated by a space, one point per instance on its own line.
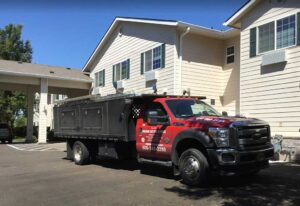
x=252 y=69
x=191 y=59
x=270 y=77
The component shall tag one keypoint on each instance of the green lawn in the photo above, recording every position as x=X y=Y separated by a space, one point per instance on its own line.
x=19 y=140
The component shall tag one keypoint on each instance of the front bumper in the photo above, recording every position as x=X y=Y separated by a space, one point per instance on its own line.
x=228 y=160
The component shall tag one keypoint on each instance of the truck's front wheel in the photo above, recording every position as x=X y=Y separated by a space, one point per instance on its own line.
x=81 y=155
x=193 y=167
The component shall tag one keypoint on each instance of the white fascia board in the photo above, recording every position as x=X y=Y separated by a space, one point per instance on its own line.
x=114 y=24
x=204 y=30
x=239 y=13
x=43 y=76
x=197 y=27
x=148 y=21
x=99 y=44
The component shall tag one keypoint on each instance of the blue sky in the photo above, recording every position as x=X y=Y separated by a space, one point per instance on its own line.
x=65 y=32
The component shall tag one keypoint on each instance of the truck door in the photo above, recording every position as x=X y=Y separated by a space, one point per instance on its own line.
x=153 y=133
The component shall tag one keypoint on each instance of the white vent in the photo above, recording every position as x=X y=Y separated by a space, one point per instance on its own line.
x=120 y=84
x=97 y=90
x=151 y=75
x=274 y=58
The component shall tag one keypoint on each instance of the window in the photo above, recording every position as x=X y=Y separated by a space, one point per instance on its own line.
x=100 y=78
x=121 y=70
x=190 y=108
x=156 y=58
x=275 y=35
x=286 y=32
x=153 y=59
x=266 y=37
x=154 y=107
x=230 y=55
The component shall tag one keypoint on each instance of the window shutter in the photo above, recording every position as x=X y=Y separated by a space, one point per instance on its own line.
x=298 y=28
x=142 y=63
x=103 y=77
x=114 y=71
x=253 y=42
x=96 y=79
x=128 y=69
x=163 y=55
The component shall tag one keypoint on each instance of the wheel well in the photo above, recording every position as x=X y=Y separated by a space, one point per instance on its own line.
x=188 y=143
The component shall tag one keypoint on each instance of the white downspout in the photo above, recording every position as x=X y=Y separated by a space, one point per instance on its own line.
x=180 y=56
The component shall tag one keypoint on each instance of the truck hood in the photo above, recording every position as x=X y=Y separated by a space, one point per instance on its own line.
x=221 y=121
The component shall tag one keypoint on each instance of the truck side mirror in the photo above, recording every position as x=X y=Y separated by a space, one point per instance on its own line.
x=225 y=114
x=153 y=118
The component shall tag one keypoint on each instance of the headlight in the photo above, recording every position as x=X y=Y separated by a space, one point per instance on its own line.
x=220 y=136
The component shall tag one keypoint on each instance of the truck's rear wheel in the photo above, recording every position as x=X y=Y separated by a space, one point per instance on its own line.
x=81 y=154
x=193 y=167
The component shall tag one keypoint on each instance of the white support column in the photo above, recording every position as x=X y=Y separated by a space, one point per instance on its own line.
x=43 y=111
x=30 y=105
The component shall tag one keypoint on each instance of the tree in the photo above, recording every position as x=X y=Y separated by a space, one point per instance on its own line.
x=12 y=47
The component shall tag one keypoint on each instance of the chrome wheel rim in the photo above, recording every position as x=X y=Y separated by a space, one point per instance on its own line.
x=191 y=167
x=77 y=153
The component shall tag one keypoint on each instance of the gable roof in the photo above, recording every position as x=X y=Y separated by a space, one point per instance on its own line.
x=42 y=71
x=232 y=21
x=173 y=23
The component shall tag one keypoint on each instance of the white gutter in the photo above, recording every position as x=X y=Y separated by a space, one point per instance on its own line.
x=180 y=56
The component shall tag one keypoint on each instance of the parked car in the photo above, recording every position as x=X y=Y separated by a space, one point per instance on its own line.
x=5 y=133
x=183 y=132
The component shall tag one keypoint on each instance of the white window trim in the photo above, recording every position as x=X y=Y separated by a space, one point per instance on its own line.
x=230 y=54
x=275 y=35
x=144 y=66
x=120 y=63
x=98 y=72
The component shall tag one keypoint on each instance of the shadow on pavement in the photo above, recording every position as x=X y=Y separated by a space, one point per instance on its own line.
x=131 y=165
x=278 y=185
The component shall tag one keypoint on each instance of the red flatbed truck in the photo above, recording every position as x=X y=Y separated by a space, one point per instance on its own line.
x=179 y=131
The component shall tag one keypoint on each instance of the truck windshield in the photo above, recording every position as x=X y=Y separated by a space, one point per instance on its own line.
x=190 y=108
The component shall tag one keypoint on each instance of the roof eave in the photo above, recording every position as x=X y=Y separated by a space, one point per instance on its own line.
x=44 y=76
x=231 y=22
x=210 y=32
x=114 y=24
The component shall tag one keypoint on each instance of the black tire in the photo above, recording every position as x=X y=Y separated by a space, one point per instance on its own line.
x=193 y=167
x=9 y=141
x=81 y=154
x=69 y=147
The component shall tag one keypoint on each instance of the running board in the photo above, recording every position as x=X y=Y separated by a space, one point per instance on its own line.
x=157 y=162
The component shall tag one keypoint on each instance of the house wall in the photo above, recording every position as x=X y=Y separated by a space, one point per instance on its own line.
x=202 y=64
x=136 y=39
x=271 y=93
x=231 y=78
x=205 y=72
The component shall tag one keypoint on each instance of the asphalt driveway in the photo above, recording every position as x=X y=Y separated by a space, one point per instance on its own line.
x=46 y=178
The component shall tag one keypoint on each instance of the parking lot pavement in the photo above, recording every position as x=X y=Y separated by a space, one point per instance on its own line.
x=38 y=147
x=46 y=178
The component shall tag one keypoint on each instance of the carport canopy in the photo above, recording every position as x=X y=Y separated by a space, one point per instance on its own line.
x=42 y=79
